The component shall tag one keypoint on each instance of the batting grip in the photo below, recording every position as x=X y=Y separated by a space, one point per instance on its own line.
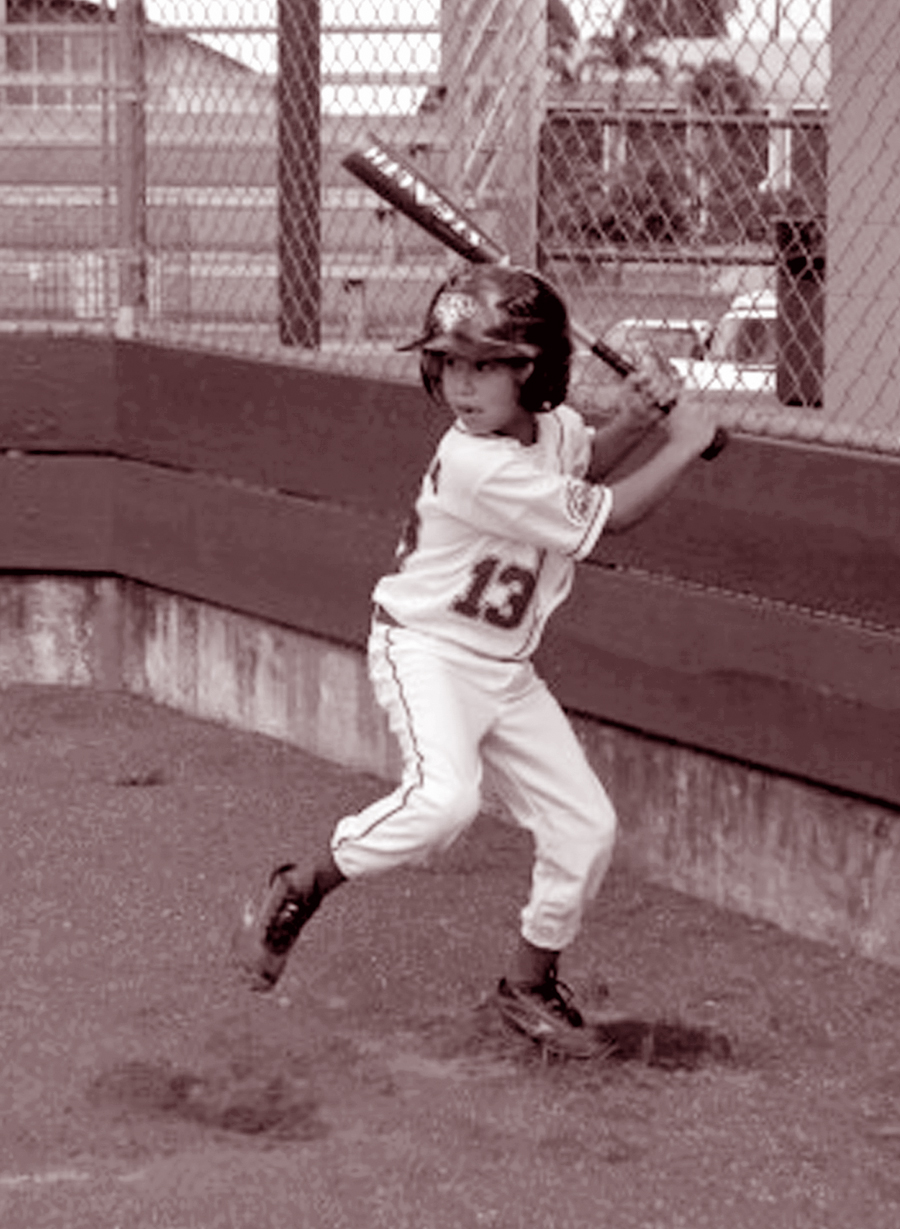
x=404 y=186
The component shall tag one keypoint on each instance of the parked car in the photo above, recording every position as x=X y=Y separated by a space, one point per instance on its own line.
x=741 y=354
x=667 y=338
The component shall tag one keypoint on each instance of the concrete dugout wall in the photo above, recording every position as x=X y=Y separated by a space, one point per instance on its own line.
x=205 y=531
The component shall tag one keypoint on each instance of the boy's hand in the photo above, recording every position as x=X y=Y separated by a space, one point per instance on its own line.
x=692 y=422
x=690 y=427
x=652 y=390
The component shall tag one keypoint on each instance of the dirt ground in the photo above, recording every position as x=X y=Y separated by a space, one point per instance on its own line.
x=143 y=1087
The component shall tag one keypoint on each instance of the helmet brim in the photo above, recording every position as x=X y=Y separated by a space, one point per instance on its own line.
x=474 y=349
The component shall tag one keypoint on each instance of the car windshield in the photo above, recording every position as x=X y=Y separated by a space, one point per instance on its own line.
x=747 y=340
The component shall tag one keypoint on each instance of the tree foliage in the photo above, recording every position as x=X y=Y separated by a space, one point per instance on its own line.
x=719 y=87
x=648 y=185
x=644 y=203
x=678 y=18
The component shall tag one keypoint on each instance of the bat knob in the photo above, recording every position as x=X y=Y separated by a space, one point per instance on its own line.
x=719 y=441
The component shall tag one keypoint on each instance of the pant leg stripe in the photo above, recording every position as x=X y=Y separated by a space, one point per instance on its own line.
x=417 y=754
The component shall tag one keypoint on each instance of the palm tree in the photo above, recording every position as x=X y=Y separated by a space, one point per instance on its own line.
x=725 y=159
x=564 y=49
x=623 y=196
x=646 y=193
x=625 y=50
x=679 y=18
x=719 y=87
x=645 y=22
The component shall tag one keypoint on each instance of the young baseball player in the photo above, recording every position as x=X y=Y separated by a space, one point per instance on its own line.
x=513 y=497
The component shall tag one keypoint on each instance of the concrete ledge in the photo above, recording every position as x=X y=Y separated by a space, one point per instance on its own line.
x=254 y=675
x=817 y=862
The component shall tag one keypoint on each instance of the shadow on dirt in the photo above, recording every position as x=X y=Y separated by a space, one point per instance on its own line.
x=662 y=1043
x=269 y=1103
x=666 y=1044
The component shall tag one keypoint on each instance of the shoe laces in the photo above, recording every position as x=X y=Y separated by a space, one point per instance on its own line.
x=558 y=997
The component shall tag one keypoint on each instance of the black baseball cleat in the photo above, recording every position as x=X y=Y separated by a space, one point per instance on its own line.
x=547 y=1015
x=266 y=934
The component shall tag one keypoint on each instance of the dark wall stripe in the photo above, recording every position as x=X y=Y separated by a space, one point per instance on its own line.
x=755 y=615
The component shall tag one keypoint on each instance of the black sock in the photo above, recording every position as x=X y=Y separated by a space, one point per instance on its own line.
x=328 y=876
x=533 y=966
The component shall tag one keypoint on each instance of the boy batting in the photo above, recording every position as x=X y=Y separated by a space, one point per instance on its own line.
x=515 y=495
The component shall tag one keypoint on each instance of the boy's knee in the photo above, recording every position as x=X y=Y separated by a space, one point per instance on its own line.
x=588 y=852
x=596 y=829
x=453 y=808
x=418 y=820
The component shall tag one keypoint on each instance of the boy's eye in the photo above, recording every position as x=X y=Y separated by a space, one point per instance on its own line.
x=455 y=362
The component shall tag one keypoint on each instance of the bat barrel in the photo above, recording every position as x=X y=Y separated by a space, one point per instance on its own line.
x=405 y=187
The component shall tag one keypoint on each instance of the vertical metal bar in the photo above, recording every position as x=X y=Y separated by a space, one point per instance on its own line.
x=529 y=114
x=131 y=167
x=299 y=173
x=106 y=172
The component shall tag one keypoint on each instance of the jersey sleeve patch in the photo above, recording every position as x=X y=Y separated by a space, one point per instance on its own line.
x=579 y=501
x=600 y=509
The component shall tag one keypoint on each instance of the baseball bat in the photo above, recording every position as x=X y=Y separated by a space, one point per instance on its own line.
x=404 y=186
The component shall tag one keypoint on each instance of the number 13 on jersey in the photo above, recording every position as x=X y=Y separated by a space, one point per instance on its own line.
x=497 y=594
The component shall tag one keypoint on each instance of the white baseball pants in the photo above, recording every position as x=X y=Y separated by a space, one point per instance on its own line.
x=455 y=713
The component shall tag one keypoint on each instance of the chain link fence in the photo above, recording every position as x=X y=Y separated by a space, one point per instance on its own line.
x=172 y=169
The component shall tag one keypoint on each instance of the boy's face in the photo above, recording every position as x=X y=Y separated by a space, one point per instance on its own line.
x=483 y=394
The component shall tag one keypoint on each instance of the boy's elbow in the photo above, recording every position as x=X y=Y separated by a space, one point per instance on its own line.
x=618 y=523
x=627 y=511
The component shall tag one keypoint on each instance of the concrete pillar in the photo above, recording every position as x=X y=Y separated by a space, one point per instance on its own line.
x=863 y=285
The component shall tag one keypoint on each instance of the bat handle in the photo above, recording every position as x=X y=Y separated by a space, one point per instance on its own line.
x=619 y=364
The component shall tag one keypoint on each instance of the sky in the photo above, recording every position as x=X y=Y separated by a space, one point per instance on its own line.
x=345 y=51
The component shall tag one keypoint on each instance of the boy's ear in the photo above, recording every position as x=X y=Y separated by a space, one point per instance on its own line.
x=523 y=372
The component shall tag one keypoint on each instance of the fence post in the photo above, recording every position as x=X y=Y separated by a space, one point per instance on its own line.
x=800 y=327
x=299 y=173
x=131 y=168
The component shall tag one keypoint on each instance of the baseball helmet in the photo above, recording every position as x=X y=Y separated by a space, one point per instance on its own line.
x=499 y=312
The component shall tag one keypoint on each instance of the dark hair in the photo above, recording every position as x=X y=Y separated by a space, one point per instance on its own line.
x=508 y=314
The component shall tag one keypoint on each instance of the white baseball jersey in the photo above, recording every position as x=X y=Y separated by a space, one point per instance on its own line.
x=490 y=550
